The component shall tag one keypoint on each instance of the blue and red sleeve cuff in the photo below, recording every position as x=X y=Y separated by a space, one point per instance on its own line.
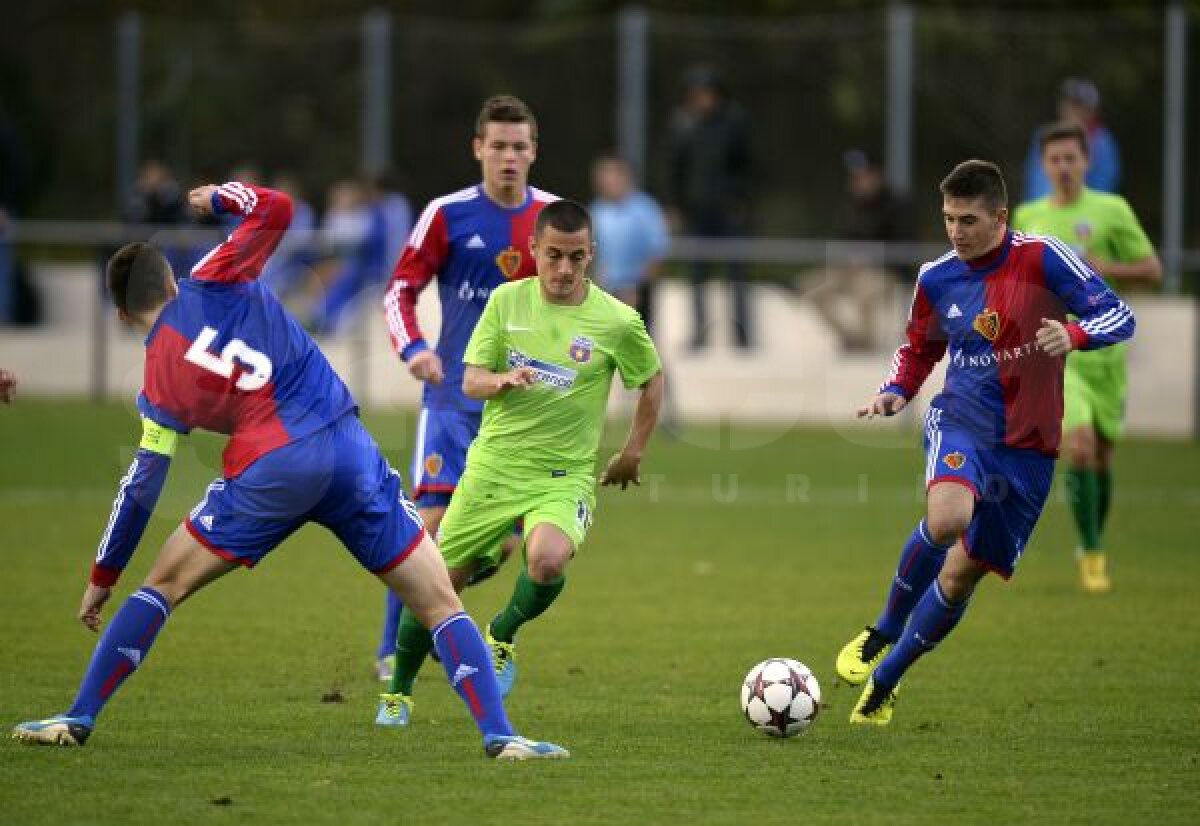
x=1079 y=336
x=104 y=576
x=417 y=345
x=897 y=389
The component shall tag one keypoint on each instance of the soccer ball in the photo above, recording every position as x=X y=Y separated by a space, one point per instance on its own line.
x=781 y=697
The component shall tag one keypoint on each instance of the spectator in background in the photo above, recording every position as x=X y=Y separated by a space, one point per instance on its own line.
x=289 y=270
x=397 y=216
x=1078 y=102
x=631 y=235
x=8 y=386
x=871 y=215
x=157 y=199
x=14 y=186
x=707 y=188
x=361 y=216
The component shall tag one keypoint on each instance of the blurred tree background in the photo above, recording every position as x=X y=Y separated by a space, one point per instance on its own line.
x=278 y=85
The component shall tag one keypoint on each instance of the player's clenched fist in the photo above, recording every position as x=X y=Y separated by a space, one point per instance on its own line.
x=520 y=377
x=426 y=366
x=200 y=200
x=882 y=404
x=1053 y=338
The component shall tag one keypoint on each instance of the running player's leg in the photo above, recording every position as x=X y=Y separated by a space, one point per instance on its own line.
x=949 y=458
x=950 y=511
x=385 y=654
x=473 y=521
x=422 y=581
x=182 y=568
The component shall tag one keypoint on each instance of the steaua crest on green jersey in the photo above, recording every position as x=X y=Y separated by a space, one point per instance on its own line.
x=509 y=262
x=581 y=349
x=987 y=324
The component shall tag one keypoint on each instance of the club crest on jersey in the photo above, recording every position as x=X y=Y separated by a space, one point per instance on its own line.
x=434 y=464
x=954 y=460
x=581 y=349
x=987 y=324
x=509 y=262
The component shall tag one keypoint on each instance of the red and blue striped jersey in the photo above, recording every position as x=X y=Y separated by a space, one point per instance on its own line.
x=471 y=245
x=225 y=356
x=999 y=385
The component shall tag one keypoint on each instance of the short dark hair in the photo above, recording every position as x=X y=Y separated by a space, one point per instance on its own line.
x=977 y=179
x=564 y=216
x=504 y=109
x=1063 y=131
x=137 y=278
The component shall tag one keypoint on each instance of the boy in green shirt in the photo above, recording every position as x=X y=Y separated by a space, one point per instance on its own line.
x=1103 y=229
x=542 y=356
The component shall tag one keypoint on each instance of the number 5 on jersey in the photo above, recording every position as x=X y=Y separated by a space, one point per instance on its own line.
x=256 y=366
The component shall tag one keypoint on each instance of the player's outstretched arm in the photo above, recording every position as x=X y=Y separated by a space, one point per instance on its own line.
x=483 y=384
x=266 y=215
x=135 y=502
x=886 y=403
x=625 y=467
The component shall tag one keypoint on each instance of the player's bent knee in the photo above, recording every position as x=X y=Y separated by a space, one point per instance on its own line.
x=946 y=526
x=548 y=568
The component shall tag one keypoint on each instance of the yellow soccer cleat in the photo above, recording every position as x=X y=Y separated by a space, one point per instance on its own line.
x=60 y=730
x=859 y=657
x=394 y=710
x=874 y=706
x=1093 y=572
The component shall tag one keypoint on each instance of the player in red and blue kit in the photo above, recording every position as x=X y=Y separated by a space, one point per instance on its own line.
x=223 y=355
x=471 y=241
x=998 y=304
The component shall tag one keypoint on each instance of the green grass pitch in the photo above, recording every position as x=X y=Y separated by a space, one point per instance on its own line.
x=1045 y=706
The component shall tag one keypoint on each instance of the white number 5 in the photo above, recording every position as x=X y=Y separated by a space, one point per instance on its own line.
x=260 y=366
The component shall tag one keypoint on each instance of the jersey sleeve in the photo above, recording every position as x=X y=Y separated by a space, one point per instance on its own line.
x=1130 y=242
x=137 y=496
x=636 y=357
x=486 y=345
x=265 y=214
x=915 y=359
x=1103 y=318
x=423 y=257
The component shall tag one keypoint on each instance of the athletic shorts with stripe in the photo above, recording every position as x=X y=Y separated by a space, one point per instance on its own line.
x=335 y=477
x=488 y=505
x=1010 y=487
x=440 y=454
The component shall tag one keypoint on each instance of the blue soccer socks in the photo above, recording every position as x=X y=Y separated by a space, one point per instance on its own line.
x=920 y=562
x=122 y=648
x=934 y=617
x=468 y=664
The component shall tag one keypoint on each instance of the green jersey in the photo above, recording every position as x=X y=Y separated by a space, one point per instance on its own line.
x=1098 y=224
x=554 y=425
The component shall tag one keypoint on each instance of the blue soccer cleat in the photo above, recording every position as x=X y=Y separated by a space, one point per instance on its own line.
x=504 y=657
x=59 y=730
x=520 y=748
x=394 y=710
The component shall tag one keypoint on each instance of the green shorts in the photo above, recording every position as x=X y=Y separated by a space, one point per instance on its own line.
x=483 y=512
x=1094 y=395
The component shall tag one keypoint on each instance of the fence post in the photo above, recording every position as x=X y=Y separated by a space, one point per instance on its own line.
x=633 y=25
x=1175 y=32
x=128 y=127
x=898 y=138
x=377 y=93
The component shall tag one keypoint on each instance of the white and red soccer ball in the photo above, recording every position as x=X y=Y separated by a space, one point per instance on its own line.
x=781 y=697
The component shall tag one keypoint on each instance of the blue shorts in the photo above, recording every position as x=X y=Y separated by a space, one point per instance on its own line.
x=335 y=477
x=440 y=455
x=1010 y=488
